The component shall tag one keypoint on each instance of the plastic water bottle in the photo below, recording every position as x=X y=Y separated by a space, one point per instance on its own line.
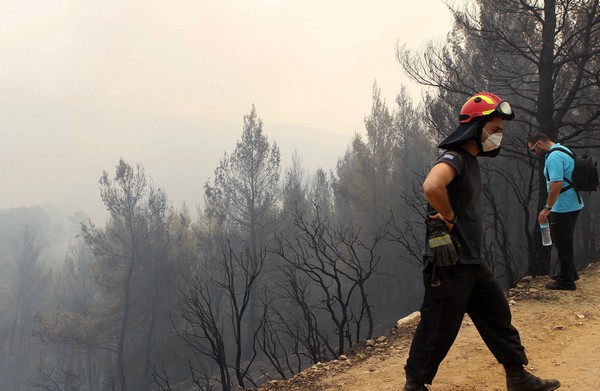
x=545 y=230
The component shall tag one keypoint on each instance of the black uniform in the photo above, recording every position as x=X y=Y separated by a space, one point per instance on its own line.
x=468 y=287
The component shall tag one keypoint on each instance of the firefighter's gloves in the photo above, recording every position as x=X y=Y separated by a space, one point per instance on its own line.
x=442 y=246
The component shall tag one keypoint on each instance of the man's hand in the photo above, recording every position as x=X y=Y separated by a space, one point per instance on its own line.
x=449 y=224
x=543 y=216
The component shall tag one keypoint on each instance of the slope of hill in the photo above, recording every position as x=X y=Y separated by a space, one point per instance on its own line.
x=559 y=329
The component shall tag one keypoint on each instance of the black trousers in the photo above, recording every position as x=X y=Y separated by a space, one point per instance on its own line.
x=562 y=227
x=471 y=289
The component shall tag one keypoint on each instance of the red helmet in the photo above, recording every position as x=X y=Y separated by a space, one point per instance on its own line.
x=483 y=104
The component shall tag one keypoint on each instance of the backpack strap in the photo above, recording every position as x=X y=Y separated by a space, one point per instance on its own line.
x=570 y=185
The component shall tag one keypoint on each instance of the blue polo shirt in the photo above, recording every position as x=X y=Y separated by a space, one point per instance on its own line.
x=559 y=165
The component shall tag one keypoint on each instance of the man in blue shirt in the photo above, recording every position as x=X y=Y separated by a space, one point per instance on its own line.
x=562 y=205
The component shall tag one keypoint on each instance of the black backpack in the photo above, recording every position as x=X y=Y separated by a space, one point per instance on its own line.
x=585 y=174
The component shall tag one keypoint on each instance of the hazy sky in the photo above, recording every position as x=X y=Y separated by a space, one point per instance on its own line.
x=166 y=84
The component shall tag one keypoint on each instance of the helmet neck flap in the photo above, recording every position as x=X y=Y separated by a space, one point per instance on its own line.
x=466 y=132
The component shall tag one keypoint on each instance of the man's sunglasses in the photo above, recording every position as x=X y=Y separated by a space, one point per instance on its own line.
x=532 y=150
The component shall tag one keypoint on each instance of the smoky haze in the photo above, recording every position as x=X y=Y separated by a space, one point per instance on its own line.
x=167 y=85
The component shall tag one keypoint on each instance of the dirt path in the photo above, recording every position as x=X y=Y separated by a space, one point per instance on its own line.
x=559 y=329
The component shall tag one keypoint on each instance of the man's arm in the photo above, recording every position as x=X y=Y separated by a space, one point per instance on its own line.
x=436 y=193
x=553 y=193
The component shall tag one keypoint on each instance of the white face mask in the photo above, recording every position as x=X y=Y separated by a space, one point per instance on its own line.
x=491 y=142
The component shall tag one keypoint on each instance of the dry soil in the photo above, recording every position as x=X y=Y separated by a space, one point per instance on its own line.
x=559 y=329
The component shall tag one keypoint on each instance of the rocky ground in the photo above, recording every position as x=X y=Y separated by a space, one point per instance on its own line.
x=559 y=329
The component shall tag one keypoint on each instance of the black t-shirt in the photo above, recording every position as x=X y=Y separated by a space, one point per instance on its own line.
x=465 y=197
